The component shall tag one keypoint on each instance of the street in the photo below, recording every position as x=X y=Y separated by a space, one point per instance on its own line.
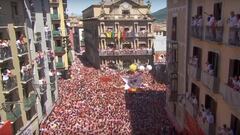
x=94 y=103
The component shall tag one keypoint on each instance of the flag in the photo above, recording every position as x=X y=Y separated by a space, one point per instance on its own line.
x=113 y=34
x=132 y=82
x=124 y=35
x=108 y=34
x=119 y=35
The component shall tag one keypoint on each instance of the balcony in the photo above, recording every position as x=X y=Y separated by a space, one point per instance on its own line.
x=234 y=37
x=59 y=50
x=125 y=17
x=56 y=33
x=5 y=54
x=30 y=101
x=9 y=85
x=22 y=50
x=54 y=1
x=52 y=79
x=40 y=63
x=194 y=71
x=26 y=77
x=191 y=108
x=210 y=81
x=64 y=1
x=38 y=47
x=59 y=65
x=197 y=32
x=208 y=129
x=48 y=35
x=42 y=88
x=230 y=95
x=65 y=16
x=214 y=33
x=15 y=113
x=53 y=87
x=55 y=17
x=125 y=52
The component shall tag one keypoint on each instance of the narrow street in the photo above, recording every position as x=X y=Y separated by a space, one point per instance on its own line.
x=93 y=103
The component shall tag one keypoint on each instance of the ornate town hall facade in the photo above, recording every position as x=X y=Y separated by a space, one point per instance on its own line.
x=118 y=33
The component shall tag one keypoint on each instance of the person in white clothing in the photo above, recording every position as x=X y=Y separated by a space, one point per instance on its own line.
x=232 y=20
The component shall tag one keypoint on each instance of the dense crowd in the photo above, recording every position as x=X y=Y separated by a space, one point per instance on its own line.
x=93 y=102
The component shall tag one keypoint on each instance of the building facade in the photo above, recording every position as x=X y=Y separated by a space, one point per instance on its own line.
x=63 y=50
x=76 y=34
x=118 y=33
x=28 y=83
x=206 y=99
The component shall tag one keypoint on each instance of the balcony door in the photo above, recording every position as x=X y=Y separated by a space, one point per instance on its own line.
x=174 y=28
x=217 y=11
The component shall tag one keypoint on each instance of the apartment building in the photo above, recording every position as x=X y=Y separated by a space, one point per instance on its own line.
x=63 y=50
x=118 y=33
x=203 y=41
x=76 y=33
x=28 y=88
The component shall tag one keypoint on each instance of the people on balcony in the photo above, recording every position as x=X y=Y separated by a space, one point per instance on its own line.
x=209 y=69
x=39 y=59
x=234 y=82
x=205 y=115
x=6 y=77
x=212 y=26
x=21 y=43
x=5 y=48
x=232 y=22
x=51 y=55
x=194 y=61
x=224 y=130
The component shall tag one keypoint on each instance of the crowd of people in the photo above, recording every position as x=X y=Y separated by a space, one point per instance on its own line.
x=95 y=102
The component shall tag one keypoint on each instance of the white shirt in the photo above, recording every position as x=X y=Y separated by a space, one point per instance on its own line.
x=211 y=21
x=238 y=24
x=210 y=119
x=233 y=21
x=18 y=43
x=200 y=22
x=50 y=73
x=195 y=101
x=5 y=77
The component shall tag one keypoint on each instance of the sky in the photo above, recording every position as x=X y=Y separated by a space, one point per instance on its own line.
x=77 y=6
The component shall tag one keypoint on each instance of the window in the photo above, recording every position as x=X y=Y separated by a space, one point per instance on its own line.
x=217 y=11
x=14 y=8
x=234 y=68
x=198 y=53
x=60 y=59
x=235 y=125
x=213 y=60
x=125 y=12
x=174 y=28
x=199 y=10
x=56 y=27
x=150 y=28
x=126 y=29
x=211 y=105
x=55 y=10
x=136 y=28
x=195 y=91
x=58 y=43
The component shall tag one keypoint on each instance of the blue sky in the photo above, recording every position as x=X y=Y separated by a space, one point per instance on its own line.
x=77 y=6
